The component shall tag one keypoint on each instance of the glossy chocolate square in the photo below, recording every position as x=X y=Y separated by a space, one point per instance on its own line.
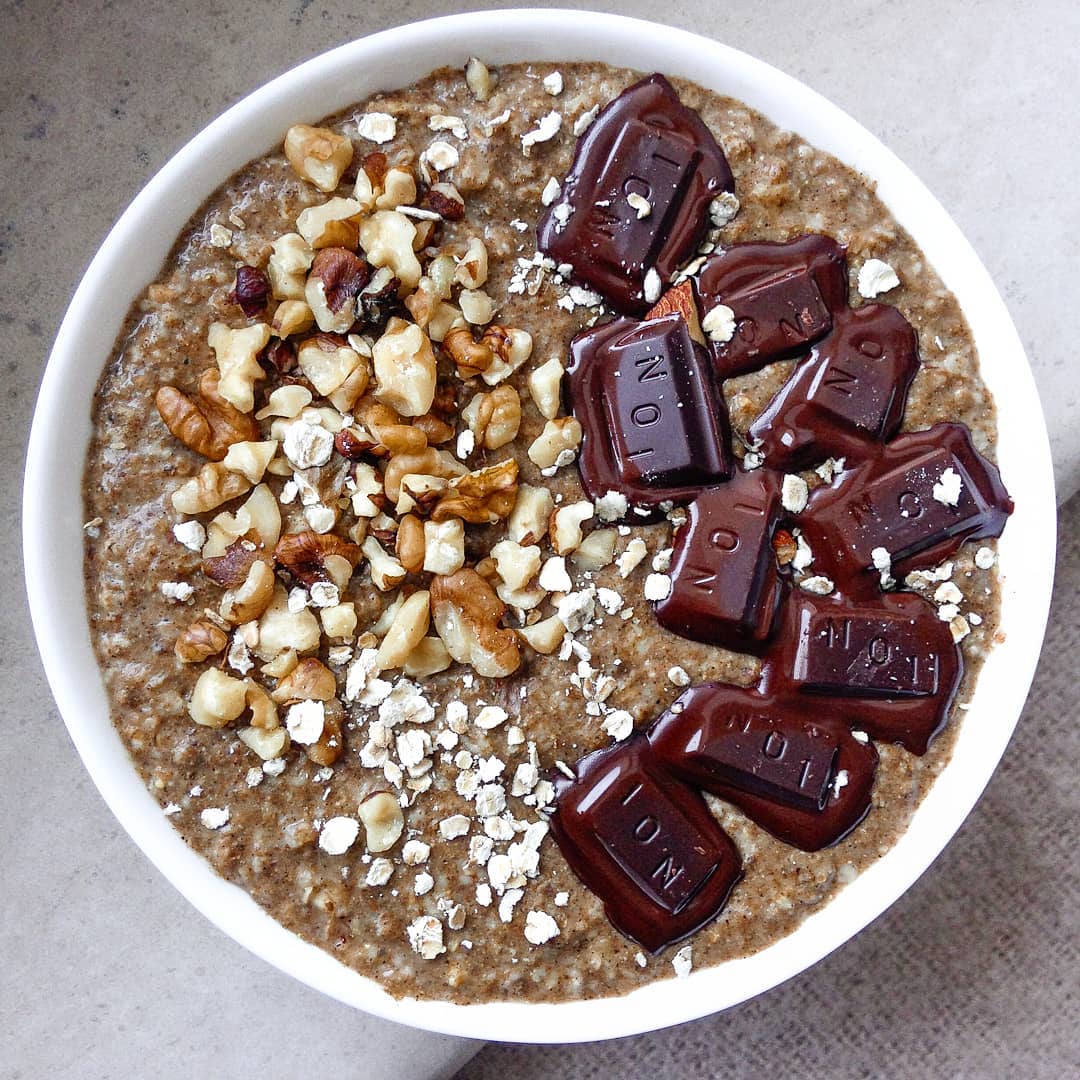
x=725 y=585
x=847 y=397
x=886 y=665
x=798 y=774
x=645 y=843
x=902 y=500
x=655 y=427
x=783 y=297
x=645 y=143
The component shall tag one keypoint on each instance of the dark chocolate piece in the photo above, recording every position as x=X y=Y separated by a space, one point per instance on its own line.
x=783 y=297
x=725 y=586
x=644 y=843
x=798 y=774
x=888 y=666
x=847 y=397
x=655 y=426
x=889 y=502
x=645 y=142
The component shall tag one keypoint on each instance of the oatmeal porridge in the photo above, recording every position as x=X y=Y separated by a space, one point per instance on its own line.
x=481 y=576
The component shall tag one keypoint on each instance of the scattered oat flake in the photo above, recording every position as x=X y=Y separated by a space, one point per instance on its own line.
x=441 y=156
x=552 y=191
x=719 y=324
x=619 y=724
x=639 y=959
x=425 y=935
x=819 y=584
x=189 y=533
x=452 y=827
x=794 y=494
x=220 y=237
x=170 y=809
x=379 y=873
x=683 y=961
x=947 y=489
x=377 y=127
x=547 y=128
x=985 y=558
x=540 y=927
x=657 y=587
x=454 y=124
x=653 y=286
x=338 y=835
x=581 y=124
x=490 y=716
x=214 y=817
x=562 y=899
x=639 y=204
x=179 y=591
x=305 y=721
x=553 y=83
x=678 y=676
x=876 y=277
x=959 y=628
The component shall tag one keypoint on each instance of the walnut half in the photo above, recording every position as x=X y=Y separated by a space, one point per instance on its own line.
x=206 y=422
x=466 y=613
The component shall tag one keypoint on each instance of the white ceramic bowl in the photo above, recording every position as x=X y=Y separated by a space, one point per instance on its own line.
x=130 y=258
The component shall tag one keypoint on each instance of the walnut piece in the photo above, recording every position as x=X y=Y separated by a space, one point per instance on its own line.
x=318 y=155
x=387 y=239
x=559 y=438
x=305 y=555
x=310 y=680
x=383 y=821
x=251 y=598
x=482 y=497
x=406 y=631
x=494 y=419
x=236 y=352
x=205 y=423
x=335 y=281
x=405 y=369
x=466 y=613
x=327 y=361
x=210 y=487
x=290 y=257
x=201 y=640
x=499 y=352
x=335 y=223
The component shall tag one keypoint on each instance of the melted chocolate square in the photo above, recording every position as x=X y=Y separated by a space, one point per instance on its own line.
x=798 y=774
x=645 y=843
x=886 y=665
x=646 y=143
x=655 y=427
x=783 y=297
x=725 y=586
x=890 y=502
x=847 y=397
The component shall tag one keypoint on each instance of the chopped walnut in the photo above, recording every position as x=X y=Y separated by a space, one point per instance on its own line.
x=494 y=418
x=237 y=352
x=318 y=155
x=466 y=613
x=206 y=423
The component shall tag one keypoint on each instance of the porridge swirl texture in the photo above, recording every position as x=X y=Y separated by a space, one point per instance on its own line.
x=398 y=820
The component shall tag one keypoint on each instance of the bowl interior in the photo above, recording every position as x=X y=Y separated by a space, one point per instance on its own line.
x=130 y=258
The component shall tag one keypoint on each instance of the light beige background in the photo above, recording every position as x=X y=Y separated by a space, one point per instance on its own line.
x=106 y=972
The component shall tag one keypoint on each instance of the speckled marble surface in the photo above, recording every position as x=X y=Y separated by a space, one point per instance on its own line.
x=106 y=972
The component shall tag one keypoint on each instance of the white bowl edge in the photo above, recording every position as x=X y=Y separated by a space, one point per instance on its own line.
x=52 y=510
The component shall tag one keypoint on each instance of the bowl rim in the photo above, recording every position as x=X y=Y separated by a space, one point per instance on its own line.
x=52 y=525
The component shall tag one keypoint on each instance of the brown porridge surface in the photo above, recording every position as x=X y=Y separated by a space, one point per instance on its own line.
x=268 y=846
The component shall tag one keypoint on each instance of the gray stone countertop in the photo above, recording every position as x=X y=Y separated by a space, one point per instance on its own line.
x=106 y=972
